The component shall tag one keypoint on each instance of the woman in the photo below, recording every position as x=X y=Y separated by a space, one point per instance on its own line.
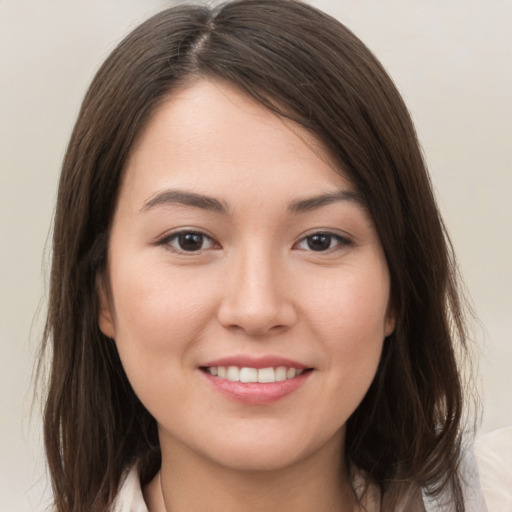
x=253 y=301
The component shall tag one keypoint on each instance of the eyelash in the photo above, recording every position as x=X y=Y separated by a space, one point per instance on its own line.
x=332 y=237
x=167 y=241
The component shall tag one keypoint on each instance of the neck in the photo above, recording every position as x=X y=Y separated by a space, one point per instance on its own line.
x=191 y=483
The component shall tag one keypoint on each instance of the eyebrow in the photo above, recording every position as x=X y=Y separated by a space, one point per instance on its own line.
x=172 y=196
x=204 y=202
x=315 y=202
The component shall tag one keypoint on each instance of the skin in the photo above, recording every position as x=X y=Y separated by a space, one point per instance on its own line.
x=255 y=287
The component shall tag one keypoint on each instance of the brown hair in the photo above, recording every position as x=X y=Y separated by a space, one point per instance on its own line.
x=308 y=67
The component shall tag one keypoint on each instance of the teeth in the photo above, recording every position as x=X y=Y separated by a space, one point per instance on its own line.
x=246 y=375
x=266 y=375
x=280 y=373
x=233 y=373
x=249 y=375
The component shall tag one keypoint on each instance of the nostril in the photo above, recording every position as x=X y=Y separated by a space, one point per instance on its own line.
x=257 y=319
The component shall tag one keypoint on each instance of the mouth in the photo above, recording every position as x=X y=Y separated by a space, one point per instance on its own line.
x=256 y=381
x=249 y=375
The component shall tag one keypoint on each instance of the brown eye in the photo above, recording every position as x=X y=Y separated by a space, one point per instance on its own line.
x=321 y=242
x=189 y=241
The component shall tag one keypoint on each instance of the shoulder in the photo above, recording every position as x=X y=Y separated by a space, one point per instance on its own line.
x=129 y=498
x=493 y=453
x=486 y=472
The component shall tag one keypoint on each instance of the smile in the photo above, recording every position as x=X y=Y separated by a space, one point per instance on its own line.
x=252 y=382
x=251 y=375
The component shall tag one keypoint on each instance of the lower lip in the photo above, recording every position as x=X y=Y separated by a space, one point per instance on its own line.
x=256 y=393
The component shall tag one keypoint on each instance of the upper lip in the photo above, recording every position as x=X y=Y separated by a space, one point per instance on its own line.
x=255 y=362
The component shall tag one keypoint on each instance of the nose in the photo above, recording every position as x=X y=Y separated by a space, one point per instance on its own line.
x=257 y=297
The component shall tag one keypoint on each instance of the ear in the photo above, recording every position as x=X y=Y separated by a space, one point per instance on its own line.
x=390 y=322
x=106 y=310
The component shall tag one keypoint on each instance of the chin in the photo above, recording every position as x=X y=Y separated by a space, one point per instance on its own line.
x=258 y=459
x=264 y=451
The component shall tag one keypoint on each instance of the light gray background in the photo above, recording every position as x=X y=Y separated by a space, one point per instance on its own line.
x=451 y=59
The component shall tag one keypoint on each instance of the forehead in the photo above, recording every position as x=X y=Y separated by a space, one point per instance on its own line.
x=211 y=136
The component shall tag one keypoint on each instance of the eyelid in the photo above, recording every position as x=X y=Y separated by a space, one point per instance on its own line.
x=166 y=238
x=344 y=240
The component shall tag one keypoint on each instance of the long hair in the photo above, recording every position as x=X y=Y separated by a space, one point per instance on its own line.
x=307 y=67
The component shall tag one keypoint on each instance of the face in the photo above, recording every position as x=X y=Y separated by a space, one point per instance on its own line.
x=248 y=290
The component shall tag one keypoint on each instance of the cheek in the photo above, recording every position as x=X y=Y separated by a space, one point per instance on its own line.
x=349 y=315
x=157 y=328
x=159 y=315
x=351 y=306
x=354 y=346
x=157 y=300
